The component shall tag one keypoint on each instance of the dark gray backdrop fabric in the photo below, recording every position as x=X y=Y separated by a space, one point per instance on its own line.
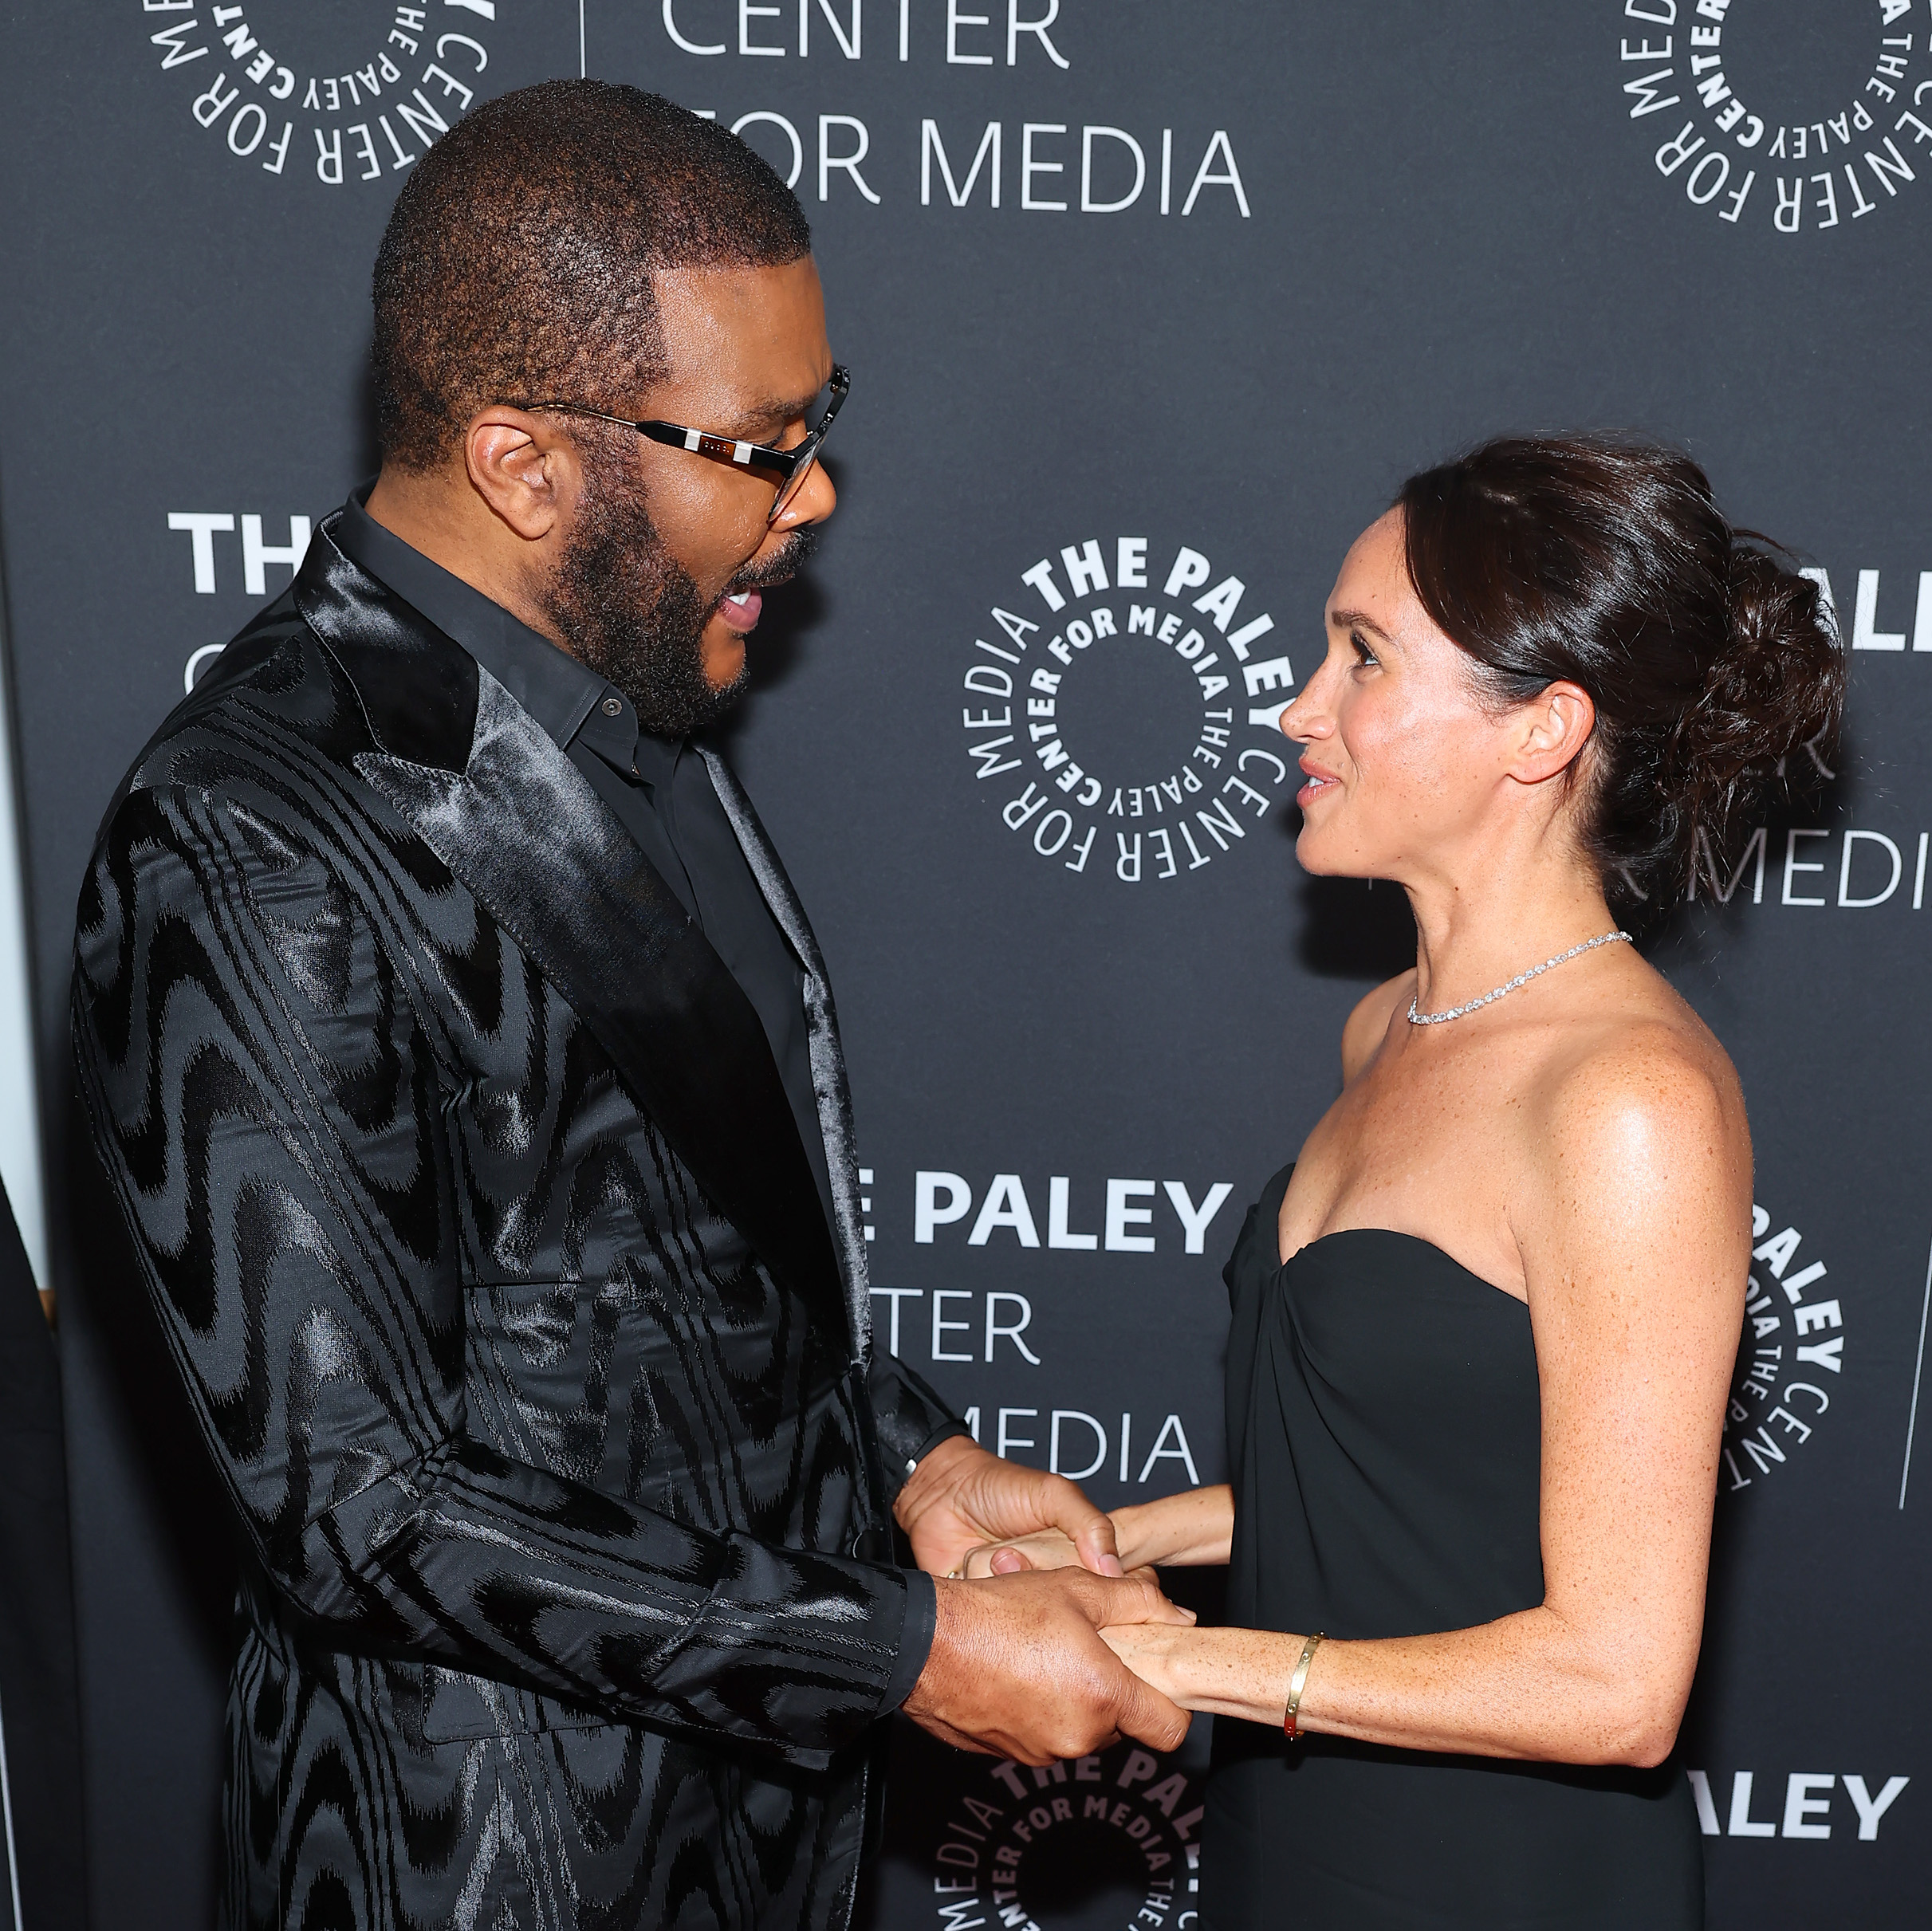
x=1223 y=275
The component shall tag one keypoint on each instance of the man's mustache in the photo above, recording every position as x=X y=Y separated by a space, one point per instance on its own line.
x=785 y=562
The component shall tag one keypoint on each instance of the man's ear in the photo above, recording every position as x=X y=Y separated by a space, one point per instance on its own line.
x=1556 y=726
x=526 y=472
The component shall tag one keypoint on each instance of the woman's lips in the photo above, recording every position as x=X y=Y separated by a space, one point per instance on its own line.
x=1317 y=783
x=742 y=611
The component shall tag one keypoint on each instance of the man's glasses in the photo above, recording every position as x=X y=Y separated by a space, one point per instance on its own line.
x=790 y=467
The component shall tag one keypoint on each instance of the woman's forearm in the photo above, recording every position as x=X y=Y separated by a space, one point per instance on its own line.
x=1192 y=1529
x=1526 y=1686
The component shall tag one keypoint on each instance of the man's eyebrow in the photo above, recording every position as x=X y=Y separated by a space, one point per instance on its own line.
x=1356 y=620
x=778 y=410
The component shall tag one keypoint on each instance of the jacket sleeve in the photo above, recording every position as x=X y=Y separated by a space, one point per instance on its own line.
x=265 y=1096
x=912 y=1420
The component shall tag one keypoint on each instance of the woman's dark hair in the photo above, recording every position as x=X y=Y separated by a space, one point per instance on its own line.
x=1604 y=560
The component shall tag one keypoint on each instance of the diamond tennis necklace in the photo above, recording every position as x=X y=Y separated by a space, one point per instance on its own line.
x=1509 y=985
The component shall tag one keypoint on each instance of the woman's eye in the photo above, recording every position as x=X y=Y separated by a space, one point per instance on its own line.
x=1364 y=655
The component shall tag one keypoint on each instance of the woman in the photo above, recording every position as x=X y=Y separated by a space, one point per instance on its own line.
x=1484 y=1326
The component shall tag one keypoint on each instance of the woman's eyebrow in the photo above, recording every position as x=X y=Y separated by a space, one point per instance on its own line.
x=1357 y=620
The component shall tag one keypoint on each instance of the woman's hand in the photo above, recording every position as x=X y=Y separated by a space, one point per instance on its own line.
x=1048 y=1549
x=1153 y=1660
x=1182 y=1530
x=1221 y=1672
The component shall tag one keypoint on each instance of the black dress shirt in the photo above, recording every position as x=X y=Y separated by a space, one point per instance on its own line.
x=659 y=789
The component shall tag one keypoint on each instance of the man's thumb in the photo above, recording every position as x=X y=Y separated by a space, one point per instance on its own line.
x=1149 y=1718
x=1135 y=1599
x=1094 y=1539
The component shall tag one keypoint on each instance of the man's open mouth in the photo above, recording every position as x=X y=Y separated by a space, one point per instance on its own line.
x=741 y=610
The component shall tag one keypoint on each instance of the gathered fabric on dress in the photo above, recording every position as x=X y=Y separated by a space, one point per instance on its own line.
x=1385 y=1449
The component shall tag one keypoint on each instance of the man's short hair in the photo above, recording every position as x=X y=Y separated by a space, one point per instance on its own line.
x=517 y=262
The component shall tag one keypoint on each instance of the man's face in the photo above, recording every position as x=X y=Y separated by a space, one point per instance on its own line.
x=659 y=582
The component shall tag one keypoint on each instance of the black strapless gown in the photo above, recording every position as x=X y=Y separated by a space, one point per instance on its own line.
x=1383 y=1438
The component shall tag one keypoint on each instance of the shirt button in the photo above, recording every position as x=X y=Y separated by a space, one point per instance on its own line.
x=613 y=707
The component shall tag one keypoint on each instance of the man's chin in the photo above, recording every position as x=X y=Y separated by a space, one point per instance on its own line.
x=702 y=708
x=722 y=652
x=696 y=712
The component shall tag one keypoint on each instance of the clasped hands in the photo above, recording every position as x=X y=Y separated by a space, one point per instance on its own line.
x=1036 y=1614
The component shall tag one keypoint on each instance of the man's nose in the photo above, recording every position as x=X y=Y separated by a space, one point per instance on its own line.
x=816 y=499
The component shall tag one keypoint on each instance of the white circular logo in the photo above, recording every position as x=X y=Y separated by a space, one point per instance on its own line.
x=1105 y=1840
x=1123 y=705
x=1796 y=117
x=1792 y=1362
x=340 y=95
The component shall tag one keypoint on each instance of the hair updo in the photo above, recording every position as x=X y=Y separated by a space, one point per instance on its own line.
x=1604 y=561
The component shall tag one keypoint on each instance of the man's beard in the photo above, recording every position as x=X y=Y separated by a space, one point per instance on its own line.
x=631 y=612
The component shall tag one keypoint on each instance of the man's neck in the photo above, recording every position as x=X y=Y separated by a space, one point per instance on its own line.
x=439 y=515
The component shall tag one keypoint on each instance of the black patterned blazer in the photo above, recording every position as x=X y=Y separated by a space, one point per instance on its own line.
x=483 y=1238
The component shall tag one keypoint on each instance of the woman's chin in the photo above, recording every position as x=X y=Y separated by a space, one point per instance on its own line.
x=1323 y=857
x=1313 y=859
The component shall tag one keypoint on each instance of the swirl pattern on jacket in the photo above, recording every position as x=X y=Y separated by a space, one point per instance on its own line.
x=419 y=1095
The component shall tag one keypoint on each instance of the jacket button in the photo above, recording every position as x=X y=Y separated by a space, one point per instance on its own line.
x=613 y=707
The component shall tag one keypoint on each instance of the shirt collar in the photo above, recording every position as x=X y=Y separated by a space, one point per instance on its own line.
x=653 y=759
x=547 y=682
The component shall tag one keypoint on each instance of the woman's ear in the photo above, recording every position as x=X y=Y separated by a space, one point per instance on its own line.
x=1556 y=726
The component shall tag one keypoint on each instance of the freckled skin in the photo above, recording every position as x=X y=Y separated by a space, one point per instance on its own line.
x=1581 y=1144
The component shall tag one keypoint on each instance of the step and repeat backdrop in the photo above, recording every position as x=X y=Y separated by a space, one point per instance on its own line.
x=1150 y=305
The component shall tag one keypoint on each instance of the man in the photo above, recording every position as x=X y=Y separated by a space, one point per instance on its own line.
x=467 y=1071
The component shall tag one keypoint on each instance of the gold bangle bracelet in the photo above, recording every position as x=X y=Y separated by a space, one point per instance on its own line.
x=1298 y=1682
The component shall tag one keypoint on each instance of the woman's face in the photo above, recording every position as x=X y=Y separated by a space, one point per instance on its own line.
x=1402 y=763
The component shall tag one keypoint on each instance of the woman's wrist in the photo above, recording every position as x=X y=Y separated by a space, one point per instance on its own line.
x=1236 y=1672
x=1130 y=1538
x=1185 y=1530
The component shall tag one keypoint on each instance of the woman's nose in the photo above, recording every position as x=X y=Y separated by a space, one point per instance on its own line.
x=1302 y=720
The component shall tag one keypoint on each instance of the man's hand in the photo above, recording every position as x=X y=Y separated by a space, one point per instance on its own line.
x=1018 y=1669
x=960 y=1498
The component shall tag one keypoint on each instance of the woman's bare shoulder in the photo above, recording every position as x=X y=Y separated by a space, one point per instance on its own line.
x=1646 y=1087
x=1635 y=1205
x=1367 y=1025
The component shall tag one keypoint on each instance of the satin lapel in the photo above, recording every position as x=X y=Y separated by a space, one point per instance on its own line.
x=828 y=1080
x=521 y=827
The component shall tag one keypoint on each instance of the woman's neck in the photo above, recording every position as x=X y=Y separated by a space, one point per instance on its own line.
x=1476 y=932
